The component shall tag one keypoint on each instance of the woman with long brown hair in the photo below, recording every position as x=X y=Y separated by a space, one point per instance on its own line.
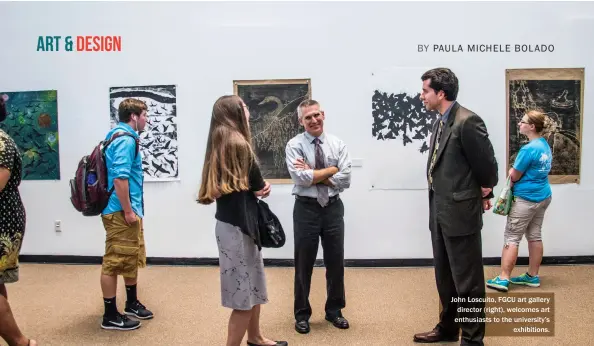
x=232 y=178
x=12 y=230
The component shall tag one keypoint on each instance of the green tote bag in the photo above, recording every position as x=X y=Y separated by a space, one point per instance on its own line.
x=503 y=203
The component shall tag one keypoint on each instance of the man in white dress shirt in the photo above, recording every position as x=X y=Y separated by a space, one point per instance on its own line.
x=320 y=166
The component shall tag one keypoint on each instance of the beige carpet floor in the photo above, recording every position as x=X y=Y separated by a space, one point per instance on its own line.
x=62 y=305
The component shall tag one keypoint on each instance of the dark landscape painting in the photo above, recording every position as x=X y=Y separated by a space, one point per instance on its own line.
x=273 y=120
x=403 y=117
x=558 y=93
x=158 y=141
x=32 y=122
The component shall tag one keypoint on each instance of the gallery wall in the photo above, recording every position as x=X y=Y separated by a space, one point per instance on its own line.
x=345 y=50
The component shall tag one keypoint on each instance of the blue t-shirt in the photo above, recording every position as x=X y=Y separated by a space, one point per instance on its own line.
x=534 y=160
x=121 y=163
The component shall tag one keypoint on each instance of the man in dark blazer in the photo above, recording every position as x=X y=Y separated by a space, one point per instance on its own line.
x=461 y=173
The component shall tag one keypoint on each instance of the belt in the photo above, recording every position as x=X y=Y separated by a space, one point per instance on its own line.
x=315 y=200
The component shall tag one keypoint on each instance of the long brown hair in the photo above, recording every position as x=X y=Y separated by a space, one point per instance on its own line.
x=3 y=112
x=229 y=154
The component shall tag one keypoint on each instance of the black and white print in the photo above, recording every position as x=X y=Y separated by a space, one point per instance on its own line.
x=558 y=93
x=560 y=100
x=273 y=120
x=398 y=147
x=158 y=141
x=402 y=116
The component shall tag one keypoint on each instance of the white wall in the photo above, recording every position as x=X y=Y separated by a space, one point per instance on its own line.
x=202 y=47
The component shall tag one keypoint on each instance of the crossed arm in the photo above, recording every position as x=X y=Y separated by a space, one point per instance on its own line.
x=514 y=175
x=342 y=179
x=338 y=175
x=520 y=166
x=258 y=185
x=479 y=151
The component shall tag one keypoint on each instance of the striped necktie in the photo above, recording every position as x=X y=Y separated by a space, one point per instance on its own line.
x=322 y=188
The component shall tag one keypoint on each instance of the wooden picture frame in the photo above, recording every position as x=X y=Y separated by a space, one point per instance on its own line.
x=559 y=93
x=273 y=120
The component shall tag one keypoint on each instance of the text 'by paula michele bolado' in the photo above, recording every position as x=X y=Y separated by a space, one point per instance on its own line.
x=486 y=48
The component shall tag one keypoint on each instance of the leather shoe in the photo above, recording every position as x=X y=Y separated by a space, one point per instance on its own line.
x=434 y=336
x=278 y=343
x=302 y=327
x=338 y=321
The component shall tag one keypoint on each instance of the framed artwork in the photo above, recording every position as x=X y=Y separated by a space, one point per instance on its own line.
x=559 y=93
x=32 y=122
x=273 y=120
x=158 y=141
x=400 y=125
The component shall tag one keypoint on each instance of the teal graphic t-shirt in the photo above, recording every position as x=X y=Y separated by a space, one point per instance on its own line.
x=534 y=160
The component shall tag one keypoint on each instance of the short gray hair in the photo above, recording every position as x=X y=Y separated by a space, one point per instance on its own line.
x=303 y=104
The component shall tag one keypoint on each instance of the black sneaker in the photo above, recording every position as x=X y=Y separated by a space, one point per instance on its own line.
x=119 y=322
x=138 y=310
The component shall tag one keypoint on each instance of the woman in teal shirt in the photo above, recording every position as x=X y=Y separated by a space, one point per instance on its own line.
x=532 y=196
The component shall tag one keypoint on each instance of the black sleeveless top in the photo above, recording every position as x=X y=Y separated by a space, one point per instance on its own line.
x=241 y=208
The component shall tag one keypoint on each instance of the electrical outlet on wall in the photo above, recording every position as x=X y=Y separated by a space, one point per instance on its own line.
x=58 y=226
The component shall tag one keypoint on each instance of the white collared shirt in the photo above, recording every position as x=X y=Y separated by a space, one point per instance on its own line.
x=335 y=154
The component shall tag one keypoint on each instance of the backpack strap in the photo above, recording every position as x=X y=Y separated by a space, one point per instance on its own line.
x=119 y=134
x=136 y=140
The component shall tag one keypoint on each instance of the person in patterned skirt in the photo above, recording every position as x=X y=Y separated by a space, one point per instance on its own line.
x=231 y=177
x=12 y=229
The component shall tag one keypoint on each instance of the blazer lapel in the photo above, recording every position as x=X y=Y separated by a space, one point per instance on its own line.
x=447 y=131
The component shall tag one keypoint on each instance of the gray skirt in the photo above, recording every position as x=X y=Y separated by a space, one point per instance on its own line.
x=243 y=283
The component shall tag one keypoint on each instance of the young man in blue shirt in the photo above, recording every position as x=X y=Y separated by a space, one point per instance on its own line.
x=122 y=218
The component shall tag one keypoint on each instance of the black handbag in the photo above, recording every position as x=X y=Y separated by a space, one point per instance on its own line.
x=271 y=231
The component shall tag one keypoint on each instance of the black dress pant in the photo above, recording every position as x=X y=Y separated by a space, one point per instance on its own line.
x=459 y=274
x=310 y=223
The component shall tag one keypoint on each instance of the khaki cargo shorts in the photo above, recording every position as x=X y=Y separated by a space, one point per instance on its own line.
x=525 y=218
x=124 y=246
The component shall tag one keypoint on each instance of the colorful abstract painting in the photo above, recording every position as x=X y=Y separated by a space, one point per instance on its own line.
x=32 y=122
